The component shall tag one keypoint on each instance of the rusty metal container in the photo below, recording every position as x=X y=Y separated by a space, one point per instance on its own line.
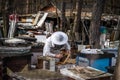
x=18 y=63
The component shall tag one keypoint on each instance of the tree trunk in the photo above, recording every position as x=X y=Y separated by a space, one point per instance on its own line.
x=117 y=68
x=95 y=23
x=27 y=6
x=5 y=14
x=62 y=27
x=58 y=20
x=77 y=20
x=117 y=33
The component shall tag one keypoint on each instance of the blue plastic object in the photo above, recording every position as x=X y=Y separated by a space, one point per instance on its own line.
x=100 y=63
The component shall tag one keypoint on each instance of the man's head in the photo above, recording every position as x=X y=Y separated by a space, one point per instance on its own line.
x=59 y=38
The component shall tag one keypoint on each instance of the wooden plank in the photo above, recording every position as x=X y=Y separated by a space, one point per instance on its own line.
x=41 y=21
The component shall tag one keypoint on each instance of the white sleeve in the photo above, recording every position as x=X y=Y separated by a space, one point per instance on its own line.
x=46 y=50
x=68 y=46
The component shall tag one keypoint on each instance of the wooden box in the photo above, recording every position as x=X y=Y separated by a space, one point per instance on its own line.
x=46 y=63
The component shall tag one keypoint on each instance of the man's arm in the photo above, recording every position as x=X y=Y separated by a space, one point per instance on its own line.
x=46 y=50
x=68 y=48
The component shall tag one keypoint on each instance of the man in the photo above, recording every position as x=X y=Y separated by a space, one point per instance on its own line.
x=55 y=43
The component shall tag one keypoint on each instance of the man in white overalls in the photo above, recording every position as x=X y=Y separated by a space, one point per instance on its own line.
x=54 y=44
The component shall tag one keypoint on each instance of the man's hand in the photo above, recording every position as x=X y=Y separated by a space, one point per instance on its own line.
x=58 y=56
x=68 y=52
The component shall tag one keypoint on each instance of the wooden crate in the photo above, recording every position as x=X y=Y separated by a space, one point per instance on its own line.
x=40 y=63
x=46 y=63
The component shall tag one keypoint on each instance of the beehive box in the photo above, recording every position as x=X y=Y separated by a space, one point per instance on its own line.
x=46 y=63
